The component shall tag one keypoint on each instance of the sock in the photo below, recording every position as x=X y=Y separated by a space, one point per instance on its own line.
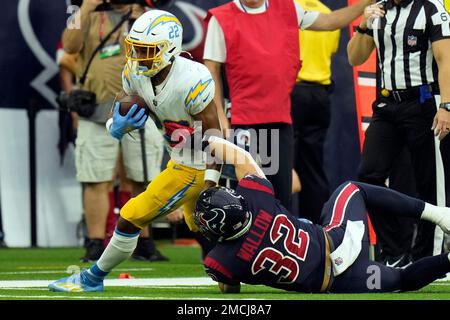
x=94 y=275
x=434 y=213
x=118 y=250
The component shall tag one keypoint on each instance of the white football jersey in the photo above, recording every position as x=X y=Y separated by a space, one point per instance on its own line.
x=187 y=90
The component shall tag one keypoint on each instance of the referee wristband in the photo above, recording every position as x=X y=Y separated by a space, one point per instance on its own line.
x=212 y=175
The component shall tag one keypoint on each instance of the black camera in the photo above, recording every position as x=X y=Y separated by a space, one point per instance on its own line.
x=81 y=101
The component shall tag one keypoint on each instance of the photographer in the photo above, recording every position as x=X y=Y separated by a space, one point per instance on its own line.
x=98 y=40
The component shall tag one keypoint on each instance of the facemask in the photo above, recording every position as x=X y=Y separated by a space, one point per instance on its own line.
x=143 y=69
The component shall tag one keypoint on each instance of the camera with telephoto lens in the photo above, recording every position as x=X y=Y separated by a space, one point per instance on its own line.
x=81 y=101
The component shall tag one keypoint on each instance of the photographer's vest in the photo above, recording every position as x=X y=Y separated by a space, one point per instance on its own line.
x=104 y=77
x=262 y=62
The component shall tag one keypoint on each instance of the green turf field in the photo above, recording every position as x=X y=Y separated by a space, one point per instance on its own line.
x=50 y=264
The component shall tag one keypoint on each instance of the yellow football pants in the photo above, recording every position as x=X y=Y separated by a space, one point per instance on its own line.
x=176 y=186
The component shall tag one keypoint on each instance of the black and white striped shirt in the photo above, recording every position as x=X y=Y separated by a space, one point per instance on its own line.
x=403 y=40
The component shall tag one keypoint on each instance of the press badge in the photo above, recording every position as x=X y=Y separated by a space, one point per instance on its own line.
x=110 y=51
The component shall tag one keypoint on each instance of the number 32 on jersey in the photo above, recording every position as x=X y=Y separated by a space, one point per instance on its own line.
x=295 y=243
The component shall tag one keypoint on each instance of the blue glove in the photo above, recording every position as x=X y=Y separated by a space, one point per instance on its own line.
x=126 y=123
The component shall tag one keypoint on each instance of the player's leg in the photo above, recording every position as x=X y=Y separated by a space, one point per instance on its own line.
x=146 y=248
x=388 y=201
x=383 y=201
x=369 y=276
x=350 y=202
x=346 y=203
x=164 y=194
x=133 y=160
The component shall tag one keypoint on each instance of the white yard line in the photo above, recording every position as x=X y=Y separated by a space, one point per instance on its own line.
x=164 y=282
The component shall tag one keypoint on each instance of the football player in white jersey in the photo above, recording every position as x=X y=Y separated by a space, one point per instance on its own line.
x=178 y=92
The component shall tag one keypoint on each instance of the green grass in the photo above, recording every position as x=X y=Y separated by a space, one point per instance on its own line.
x=51 y=264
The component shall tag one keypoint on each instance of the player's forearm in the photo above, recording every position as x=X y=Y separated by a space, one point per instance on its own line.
x=359 y=49
x=229 y=153
x=343 y=17
x=73 y=39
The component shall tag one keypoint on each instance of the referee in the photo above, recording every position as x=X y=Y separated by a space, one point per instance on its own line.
x=412 y=38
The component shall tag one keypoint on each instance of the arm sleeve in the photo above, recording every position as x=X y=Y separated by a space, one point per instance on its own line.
x=201 y=91
x=438 y=21
x=305 y=18
x=215 y=48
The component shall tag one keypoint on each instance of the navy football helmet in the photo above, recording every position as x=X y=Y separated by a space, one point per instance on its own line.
x=221 y=214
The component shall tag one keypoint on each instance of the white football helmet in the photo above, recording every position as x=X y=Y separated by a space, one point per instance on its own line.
x=156 y=38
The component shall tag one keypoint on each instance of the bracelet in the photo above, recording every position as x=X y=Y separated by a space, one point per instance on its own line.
x=212 y=175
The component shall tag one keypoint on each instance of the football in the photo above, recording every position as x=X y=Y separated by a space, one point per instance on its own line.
x=128 y=101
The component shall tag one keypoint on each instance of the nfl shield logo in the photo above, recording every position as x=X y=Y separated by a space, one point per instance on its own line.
x=412 y=41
